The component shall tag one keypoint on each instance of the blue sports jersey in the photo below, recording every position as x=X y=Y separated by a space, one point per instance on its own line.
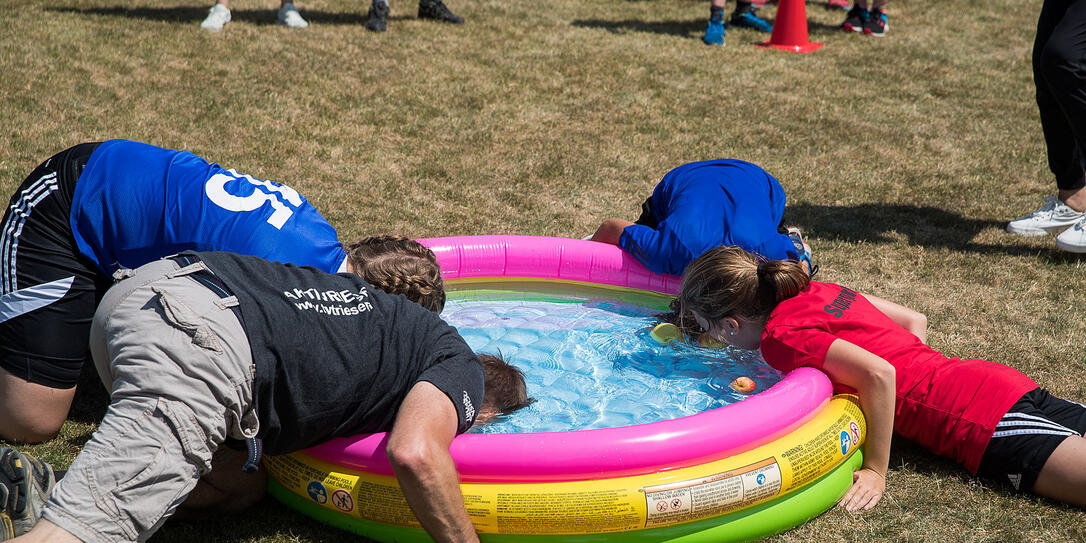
x=707 y=204
x=135 y=203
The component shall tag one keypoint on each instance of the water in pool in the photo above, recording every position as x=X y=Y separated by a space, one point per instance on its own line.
x=588 y=358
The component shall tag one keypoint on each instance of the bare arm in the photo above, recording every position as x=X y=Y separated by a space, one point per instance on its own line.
x=47 y=532
x=418 y=448
x=874 y=381
x=610 y=231
x=913 y=321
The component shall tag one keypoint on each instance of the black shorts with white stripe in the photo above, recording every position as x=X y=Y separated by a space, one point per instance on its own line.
x=1027 y=435
x=48 y=292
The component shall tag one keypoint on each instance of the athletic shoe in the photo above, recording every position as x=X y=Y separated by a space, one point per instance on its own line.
x=436 y=10
x=25 y=484
x=838 y=4
x=748 y=19
x=1073 y=239
x=216 y=18
x=377 y=18
x=876 y=24
x=855 y=20
x=1053 y=217
x=290 y=18
x=714 y=33
x=802 y=249
x=796 y=236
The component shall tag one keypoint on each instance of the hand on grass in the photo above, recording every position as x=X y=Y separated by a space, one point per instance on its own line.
x=866 y=491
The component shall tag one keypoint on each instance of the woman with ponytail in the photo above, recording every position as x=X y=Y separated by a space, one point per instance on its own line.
x=989 y=417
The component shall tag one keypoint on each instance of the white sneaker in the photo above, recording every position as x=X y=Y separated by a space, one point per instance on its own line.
x=290 y=18
x=1052 y=218
x=1073 y=239
x=216 y=18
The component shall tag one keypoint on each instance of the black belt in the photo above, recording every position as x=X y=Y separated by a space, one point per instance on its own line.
x=207 y=278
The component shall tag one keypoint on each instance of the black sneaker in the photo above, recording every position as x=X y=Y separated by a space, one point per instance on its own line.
x=436 y=10
x=377 y=18
x=856 y=19
x=876 y=25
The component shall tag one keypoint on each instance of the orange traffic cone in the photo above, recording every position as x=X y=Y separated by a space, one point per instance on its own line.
x=790 y=28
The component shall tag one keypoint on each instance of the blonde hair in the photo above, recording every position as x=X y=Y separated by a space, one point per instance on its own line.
x=399 y=265
x=730 y=282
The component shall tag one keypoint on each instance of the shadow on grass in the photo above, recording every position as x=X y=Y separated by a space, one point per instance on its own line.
x=91 y=398
x=908 y=456
x=672 y=28
x=268 y=520
x=923 y=226
x=196 y=14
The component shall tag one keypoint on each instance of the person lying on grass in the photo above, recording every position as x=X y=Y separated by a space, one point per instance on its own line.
x=203 y=353
x=989 y=417
x=97 y=207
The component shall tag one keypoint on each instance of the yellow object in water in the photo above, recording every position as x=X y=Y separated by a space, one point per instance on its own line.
x=709 y=342
x=666 y=332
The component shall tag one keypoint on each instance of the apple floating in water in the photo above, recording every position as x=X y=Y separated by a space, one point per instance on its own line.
x=745 y=385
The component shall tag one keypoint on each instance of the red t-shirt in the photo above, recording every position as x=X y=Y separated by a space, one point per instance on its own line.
x=948 y=405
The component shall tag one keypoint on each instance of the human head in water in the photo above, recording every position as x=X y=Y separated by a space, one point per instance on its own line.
x=731 y=292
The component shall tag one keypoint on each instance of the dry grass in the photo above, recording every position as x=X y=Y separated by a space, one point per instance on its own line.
x=902 y=157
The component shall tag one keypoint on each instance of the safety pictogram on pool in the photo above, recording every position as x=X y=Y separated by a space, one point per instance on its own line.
x=342 y=500
x=317 y=492
x=713 y=495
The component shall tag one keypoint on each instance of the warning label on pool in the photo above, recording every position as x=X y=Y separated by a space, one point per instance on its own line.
x=712 y=495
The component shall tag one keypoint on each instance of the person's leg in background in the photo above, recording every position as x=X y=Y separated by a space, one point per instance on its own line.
x=219 y=15
x=714 y=33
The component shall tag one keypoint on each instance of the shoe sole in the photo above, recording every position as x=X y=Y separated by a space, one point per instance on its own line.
x=1036 y=231
x=879 y=34
x=1080 y=249
x=849 y=28
x=7 y=528
x=17 y=482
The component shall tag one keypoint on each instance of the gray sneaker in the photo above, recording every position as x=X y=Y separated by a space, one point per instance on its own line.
x=1052 y=218
x=290 y=18
x=25 y=485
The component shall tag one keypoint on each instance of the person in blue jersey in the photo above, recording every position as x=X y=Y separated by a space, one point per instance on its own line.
x=98 y=207
x=702 y=205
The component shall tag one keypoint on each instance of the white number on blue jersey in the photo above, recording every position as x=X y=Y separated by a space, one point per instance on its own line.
x=216 y=192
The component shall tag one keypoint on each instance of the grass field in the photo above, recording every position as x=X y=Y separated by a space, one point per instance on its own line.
x=903 y=158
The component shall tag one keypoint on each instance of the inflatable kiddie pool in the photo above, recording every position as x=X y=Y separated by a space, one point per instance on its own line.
x=740 y=472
